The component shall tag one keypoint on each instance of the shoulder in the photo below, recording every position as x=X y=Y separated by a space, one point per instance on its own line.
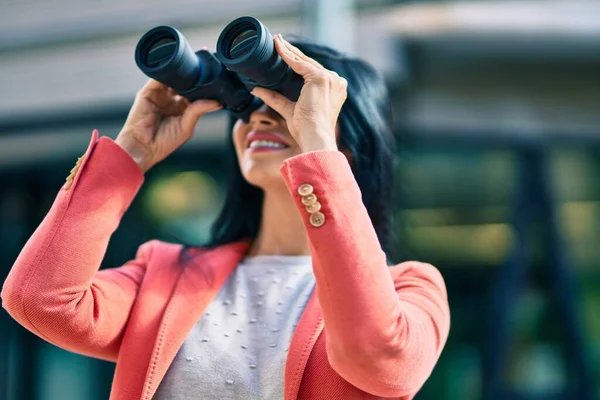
x=159 y=253
x=158 y=248
x=165 y=253
x=415 y=270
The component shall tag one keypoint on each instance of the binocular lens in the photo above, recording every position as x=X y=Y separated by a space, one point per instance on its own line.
x=161 y=52
x=243 y=43
x=164 y=54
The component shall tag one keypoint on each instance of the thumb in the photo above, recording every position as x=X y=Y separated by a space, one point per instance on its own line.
x=276 y=101
x=195 y=111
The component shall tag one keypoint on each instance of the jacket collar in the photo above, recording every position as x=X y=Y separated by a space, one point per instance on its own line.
x=197 y=286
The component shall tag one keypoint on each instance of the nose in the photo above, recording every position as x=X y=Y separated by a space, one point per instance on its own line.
x=265 y=116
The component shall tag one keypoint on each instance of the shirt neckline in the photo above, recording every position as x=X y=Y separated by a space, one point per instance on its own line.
x=276 y=260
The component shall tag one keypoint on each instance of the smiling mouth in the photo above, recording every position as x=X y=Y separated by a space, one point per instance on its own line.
x=267 y=144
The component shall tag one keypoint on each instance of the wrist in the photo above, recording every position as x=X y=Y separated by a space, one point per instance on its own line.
x=317 y=142
x=136 y=152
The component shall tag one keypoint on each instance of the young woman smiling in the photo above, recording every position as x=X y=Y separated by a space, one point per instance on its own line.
x=293 y=298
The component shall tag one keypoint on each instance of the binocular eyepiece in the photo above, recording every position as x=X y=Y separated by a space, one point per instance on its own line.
x=245 y=58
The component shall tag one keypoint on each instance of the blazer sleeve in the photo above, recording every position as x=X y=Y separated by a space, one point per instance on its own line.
x=385 y=327
x=54 y=288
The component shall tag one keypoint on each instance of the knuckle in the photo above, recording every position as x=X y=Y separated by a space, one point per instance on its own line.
x=343 y=83
x=322 y=79
x=139 y=96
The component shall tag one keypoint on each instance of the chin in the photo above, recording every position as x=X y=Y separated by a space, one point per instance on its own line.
x=264 y=180
x=264 y=175
x=263 y=168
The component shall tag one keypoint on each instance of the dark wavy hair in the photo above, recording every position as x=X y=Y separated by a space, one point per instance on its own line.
x=365 y=132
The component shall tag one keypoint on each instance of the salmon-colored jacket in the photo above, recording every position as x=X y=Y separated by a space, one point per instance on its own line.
x=369 y=331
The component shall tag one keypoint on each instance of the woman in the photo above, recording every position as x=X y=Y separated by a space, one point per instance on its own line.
x=239 y=319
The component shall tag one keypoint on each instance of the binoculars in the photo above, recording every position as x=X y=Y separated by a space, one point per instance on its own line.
x=245 y=58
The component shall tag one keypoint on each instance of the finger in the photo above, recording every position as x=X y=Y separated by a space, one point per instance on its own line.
x=153 y=84
x=160 y=99
x=276 y=101
x=300 y=66
x=157 y=93
x=296 y=51
x=177 y=106
x=195 y=111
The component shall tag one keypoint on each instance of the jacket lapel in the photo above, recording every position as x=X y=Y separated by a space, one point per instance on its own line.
x=197 y=287
x=306 y=334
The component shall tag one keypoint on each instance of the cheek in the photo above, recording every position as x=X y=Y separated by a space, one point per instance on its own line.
x=238 y=138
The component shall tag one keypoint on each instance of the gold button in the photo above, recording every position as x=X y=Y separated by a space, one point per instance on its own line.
x=305 y=190
x=317 y=219
x=68 y=183
x=310 y=199
x=313 y=208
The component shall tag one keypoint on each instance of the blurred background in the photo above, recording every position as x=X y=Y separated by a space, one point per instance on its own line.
x=497 y=113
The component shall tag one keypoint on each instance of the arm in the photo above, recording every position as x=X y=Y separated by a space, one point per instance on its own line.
x=385 y=327
x=54 y=288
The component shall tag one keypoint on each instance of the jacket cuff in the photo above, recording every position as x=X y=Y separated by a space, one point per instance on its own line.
x=105 y=166
x=320 y=177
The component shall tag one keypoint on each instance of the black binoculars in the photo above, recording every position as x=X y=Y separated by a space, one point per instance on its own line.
x=245 y=58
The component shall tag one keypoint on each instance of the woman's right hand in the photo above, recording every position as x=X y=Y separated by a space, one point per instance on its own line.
x=159 y=122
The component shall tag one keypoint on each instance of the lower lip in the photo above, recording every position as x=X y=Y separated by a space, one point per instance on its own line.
x=264 y=149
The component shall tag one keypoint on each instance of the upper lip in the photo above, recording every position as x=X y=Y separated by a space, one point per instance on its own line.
x=262 y=135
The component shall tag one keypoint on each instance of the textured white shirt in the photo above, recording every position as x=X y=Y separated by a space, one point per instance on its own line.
x=238 y=348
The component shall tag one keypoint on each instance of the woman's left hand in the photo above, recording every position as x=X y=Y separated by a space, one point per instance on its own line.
x=312 y=119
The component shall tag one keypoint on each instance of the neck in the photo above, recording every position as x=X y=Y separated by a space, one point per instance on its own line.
x=281 y=230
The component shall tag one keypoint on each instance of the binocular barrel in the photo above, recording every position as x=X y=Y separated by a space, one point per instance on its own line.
x=246 y=58
x=246 y=47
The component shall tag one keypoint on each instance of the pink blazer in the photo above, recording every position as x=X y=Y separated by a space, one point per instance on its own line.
x=369 y=331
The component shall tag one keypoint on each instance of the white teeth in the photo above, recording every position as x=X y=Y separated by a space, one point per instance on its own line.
x=266 y=143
